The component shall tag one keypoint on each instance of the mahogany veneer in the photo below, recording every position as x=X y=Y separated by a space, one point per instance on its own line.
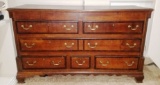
x=79 y=40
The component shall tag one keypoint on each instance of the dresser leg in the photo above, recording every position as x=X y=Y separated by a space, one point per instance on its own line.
x=21 y=80
x=139 y=79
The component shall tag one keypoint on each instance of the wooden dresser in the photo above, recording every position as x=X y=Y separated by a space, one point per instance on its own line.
x=65 y=40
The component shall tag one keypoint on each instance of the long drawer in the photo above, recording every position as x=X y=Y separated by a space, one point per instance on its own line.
x=112 y=45
x=102 y=62
x=48 y=45
x=113 y=27
x=44 y=62
x=47 y=27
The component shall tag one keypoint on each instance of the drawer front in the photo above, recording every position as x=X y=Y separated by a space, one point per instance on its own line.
x=26 y=15
x=111 y=27
x=54 y=15
x=112 y=45
x=80 y=62
x=53 y=62
x=116 y=63
x=48 y=45
x=32 y=27
x=63 y=27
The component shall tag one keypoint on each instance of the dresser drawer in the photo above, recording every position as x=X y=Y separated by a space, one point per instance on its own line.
x=116 y=63
x=113 y=27
x=80 y=62
x=48 y=45
x=53 y=62
x=112 y=45
x=32 y=27
x=63 y=27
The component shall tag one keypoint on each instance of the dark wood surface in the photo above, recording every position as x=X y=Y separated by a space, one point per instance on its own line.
x=79 y=40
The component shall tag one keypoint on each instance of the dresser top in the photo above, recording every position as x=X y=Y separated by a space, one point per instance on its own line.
x=79 y=8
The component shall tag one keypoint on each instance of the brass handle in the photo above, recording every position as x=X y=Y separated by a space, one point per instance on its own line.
x=80 y=64
x=96 y=27
x=69 y=46
x=29 y=46
x=30 y=26
x=131 y=64
x=31 y=64
x=72 y=26
x=131 y=46
x=92 y=46
x=56 y=64
x=113 y=25
x=104 y=64
x=129 y=26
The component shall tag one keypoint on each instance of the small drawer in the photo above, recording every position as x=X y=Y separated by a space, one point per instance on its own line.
x=112 y=45
x=32 y=27
x=48 y=45
x=113 y=27
x=44 y=62
x=63 y=27
x=115 y=63
x=27 y=15
x=80 y=62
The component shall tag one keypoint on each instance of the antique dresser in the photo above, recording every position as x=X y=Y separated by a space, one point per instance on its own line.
x=53 y=40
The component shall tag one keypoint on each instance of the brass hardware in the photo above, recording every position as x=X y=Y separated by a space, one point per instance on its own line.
x=30 y=26
x=56 y=64
x=69 y=46
x=96 y=27
x=72 y=26
x=31 y=64
x=29 y=46
x=104 y=64
x=113 y=25
x=130 y=45
x=92 y=46
x=80 y=64
x=129 y=26
x=131 y=64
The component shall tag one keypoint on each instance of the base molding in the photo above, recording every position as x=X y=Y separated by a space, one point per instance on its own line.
x=21 y=76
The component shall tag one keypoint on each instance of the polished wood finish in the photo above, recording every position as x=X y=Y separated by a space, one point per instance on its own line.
x=80 y=62
x=48 y=45
x=51 y=62
x=112 y=45
x=113 y=27
x=79 y=40
x=116 y=63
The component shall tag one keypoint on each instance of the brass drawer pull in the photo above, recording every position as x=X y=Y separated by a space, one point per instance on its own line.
x=69 y=46
x=30 y=26
x=31 y=64
x=92 y=46
x=96 y=27
x=104 y=64
x=29 y=46
x=131 y=46
x=56 y=64
x=129 y=26
x=72 y=26
x=80 y=64
x=131 y=64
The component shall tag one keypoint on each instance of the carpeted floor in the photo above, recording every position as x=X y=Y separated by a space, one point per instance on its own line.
x=151 y=73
